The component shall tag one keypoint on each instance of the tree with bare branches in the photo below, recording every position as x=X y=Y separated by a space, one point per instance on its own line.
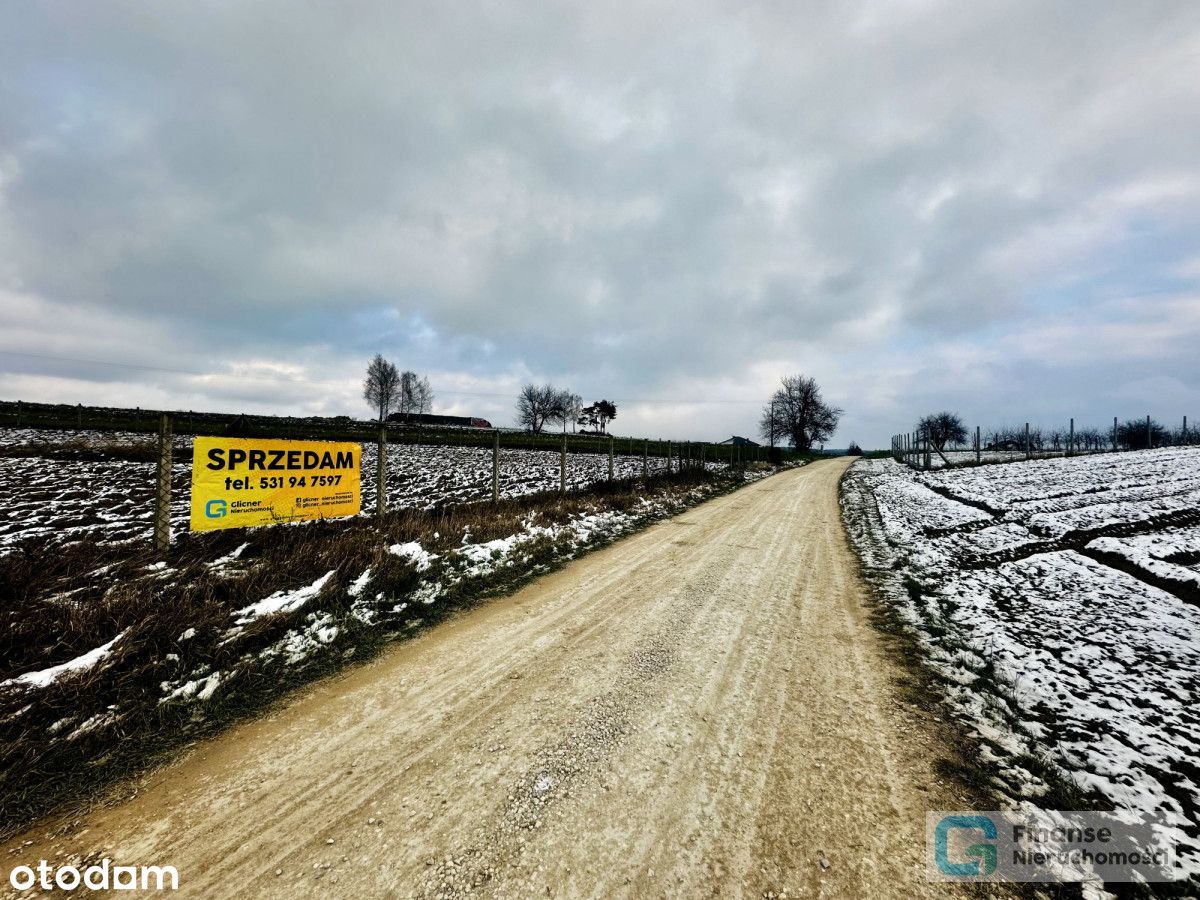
x=943 y=428
x=415 y=396
x=381 y=387
x=799 y=415
x=540 y=405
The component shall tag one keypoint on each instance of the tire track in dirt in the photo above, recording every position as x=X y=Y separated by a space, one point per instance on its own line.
x=700 y=709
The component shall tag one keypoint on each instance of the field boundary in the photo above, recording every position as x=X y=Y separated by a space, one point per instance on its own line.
x=917 y=450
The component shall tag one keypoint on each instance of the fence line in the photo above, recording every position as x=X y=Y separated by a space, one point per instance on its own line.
x=915 y=449
x=675 y=456
x=19 y=414
x=678 y=458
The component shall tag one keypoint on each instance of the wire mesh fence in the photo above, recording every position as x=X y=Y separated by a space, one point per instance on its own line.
x=919 y=449
x=139 y=463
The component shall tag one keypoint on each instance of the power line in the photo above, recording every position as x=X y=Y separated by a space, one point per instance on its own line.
x=293 y=380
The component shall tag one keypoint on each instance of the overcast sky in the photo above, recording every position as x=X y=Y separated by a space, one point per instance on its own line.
x=990 y=207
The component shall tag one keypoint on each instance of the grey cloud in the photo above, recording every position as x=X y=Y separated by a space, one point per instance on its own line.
x=642 y=202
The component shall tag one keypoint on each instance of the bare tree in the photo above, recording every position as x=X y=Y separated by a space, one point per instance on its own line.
x=539 y=405
x=797 y=414
x=1134 y=434
x=943 y=428
x=415 y=395
x=572 y=410
x=381 y=387
x=1090 y=439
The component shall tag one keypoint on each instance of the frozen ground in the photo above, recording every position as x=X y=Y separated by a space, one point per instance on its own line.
x=1058 y=598
x=111 y=500
x=964 y=457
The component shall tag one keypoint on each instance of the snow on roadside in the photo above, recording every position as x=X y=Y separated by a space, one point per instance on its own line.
x=1052 y=654
x=199 y=689
x=282 y=601
x=414 y=553
x=46 y=677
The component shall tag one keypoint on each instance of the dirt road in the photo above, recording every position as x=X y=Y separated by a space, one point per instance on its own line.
x=700 y=709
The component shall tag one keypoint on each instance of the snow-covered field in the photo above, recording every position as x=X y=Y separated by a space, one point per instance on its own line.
x=966 y=457
x=111 y=500
x=1058 y=598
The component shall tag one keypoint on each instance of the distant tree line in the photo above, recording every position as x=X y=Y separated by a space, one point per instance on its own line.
x=947 y=432
x=540 y=406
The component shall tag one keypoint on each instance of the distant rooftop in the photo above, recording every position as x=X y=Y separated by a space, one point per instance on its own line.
x=737 y=441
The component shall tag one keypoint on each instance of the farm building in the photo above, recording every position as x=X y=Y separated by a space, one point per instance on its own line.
x=429 y=419
x=737 y=441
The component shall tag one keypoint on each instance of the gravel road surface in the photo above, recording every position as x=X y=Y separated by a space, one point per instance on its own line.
x=701 y=709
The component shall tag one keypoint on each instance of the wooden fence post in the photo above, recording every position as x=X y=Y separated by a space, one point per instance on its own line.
x=381 y=474
x=1149 y=435
x=1071 y=439
x=978 y=446
x=645 y=459
x=610 y=459
x=668 y=457
x=496 y=467
x=1027 y=440
x=162 y=496
x=562 y=468
x=1114 y=434
x=1185 y=440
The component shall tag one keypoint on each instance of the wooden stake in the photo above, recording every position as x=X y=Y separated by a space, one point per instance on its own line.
x=381 y=474
x=496 y=467
x=162 y=497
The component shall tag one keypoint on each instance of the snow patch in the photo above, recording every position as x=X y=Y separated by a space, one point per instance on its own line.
x=46 y=677
x=282 y=601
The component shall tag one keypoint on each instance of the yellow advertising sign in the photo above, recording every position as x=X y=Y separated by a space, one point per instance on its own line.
x=237 y=483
